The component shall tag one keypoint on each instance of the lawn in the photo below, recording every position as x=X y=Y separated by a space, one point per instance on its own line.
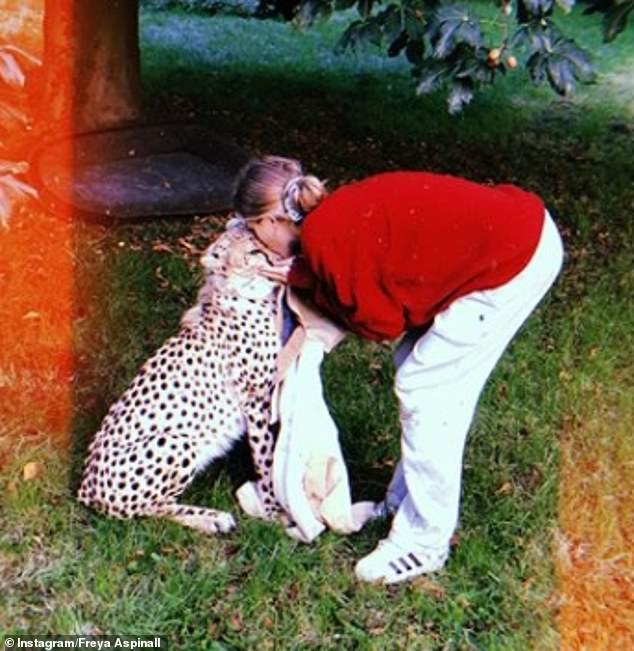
x=542 y=559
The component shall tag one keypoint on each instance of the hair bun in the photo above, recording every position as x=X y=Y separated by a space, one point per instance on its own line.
x=301 y=195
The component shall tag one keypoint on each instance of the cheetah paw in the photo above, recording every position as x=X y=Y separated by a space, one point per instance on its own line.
x=213 y=524
x=225 y=522
x=275 y=513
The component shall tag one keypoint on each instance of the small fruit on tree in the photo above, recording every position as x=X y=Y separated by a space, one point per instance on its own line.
x=493 y=58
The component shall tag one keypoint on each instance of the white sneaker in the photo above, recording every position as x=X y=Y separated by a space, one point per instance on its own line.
x=391 y=563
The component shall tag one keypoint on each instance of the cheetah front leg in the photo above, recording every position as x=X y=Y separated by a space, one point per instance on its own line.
x=206 y=520
x=262 y=445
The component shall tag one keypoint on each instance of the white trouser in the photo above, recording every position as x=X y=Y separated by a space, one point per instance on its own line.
x=438 y=382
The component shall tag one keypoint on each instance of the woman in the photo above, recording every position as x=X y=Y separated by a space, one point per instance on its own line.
x=454 y=266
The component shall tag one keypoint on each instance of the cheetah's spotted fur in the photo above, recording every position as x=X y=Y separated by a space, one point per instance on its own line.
x=194 y=397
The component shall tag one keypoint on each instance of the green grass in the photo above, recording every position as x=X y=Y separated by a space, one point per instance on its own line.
x=274 y=89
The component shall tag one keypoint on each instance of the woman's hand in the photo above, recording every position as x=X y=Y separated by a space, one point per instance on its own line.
x=278 y=273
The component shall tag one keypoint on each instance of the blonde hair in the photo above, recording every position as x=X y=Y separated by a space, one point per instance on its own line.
x=274 y=183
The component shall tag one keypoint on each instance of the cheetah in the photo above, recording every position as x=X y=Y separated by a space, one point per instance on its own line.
x=194 y=398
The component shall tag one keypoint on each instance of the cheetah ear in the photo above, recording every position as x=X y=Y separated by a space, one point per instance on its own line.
x=214 y=257
x=209 y=259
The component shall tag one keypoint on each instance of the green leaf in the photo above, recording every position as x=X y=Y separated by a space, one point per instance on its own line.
x=565 y=5
x=541 y=37
x=414 y=25
x=578 y=59
x=432 y=78
x=561 y=76
x=370 y=32
x=469 y=32
x=390 y=20
x=26 y=60
x=476 y=68
x=13 y=167
x=10 y=70
x=615 y=21
x=460 y=95
x=310 y=10
x=398 y=44
x=415 y=51
x=536 y=66
x=11 y=191
x=364 y=7
x=450 y=26
x=22 y=189
x=5 y=207
x=538 y=7
x=561 y=64
x=531 y=10
x=520 y=37
x=616 y=15
x=348 y=40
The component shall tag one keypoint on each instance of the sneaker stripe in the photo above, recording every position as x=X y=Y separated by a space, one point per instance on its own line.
x=416 y=561
x=405 y=564
x=395 y=567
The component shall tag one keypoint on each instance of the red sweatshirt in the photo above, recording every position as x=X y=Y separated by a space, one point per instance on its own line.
x=390 y=252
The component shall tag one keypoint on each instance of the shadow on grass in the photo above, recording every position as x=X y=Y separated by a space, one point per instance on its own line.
x=344 y=128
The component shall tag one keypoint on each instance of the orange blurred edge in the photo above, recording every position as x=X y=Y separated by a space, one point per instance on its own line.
x=594 y=553
x=36 y=277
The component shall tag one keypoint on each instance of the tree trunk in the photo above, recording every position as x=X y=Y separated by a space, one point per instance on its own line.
x=91 y=63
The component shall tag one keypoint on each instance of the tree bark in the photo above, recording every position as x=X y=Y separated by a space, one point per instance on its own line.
x=91 y=63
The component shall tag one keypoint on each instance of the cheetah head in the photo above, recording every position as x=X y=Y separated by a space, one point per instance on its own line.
x=233 y=262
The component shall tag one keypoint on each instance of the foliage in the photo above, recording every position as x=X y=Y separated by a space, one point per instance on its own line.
x=229 y=7
x=456 y=46
x=463 y=46
x=13 y=64
x=615 y=15
x=12 y=189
